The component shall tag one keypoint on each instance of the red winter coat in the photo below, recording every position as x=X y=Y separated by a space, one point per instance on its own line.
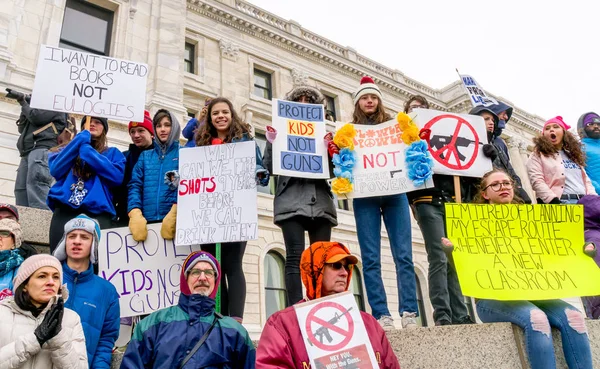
x=281 y=344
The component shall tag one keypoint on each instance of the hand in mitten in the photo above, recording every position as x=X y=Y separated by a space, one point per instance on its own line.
x=167 y=230
x=589 y=248
x=52 y=323
x=332 y=148
x=490 y=151
x=271 y=134
x=137 y=225
x=12 y=94
x=447 y=245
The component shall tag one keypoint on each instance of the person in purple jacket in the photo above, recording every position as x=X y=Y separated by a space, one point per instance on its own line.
x=86 y=171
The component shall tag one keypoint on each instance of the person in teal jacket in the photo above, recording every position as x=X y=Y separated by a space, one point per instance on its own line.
x=155 y=179
x=10 y=257
x=86 y=171
x=94 y=299
x=588 y=127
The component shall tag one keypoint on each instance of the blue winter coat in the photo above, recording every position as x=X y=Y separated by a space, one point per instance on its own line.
x=188 y=132
x=147 y=188
x=108 y=166
x=6 y=280
x=97 y=302
x=163 y=339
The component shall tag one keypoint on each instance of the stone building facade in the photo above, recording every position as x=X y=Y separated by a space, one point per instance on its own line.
x=207 y=48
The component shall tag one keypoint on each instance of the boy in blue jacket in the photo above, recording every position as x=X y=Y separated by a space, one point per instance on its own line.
x=95 y=299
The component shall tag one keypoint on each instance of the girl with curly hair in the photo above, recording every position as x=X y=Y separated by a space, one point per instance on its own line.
x=556 y=167
x=223 y=126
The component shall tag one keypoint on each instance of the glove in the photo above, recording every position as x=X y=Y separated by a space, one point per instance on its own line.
x=332 y=148
x=137 y=225
x=271 y=134
x=490 y=151
x=167 y=230
x=589 y=248
x=12 y=94
x=52 y=323
x=447 y=245
x=554 y=201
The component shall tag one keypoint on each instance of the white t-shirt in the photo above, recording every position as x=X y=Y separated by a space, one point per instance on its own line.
x=574 y=184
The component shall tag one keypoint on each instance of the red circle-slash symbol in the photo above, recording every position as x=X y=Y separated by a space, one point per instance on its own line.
x=325 y=325
x=449 y=150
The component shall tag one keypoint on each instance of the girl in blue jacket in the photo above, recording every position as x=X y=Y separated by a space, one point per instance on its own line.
x=224 y=126
x=86 y=171
x=154 y=181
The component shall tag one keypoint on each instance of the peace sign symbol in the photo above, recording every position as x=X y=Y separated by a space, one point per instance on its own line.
x=445 y=149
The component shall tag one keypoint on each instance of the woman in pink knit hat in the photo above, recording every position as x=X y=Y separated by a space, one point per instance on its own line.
x=556 y=167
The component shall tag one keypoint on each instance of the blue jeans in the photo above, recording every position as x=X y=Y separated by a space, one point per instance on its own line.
x=535 y=318
x=367 y=213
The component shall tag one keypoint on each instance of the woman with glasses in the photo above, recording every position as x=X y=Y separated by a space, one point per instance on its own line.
x=556 y=167
x=10 y=257
x=535 y=317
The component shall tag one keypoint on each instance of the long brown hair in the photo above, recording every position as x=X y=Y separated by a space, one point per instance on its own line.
x=81 y=169
x=479 y=199
x=571 y=146
x=207 y=131
x=380 y=115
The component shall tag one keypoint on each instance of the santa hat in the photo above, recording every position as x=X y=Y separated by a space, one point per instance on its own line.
x=367 y=86
x=147 y=123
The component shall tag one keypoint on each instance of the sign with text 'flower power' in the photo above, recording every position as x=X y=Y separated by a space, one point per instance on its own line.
x=377 y=166
x=299 y=149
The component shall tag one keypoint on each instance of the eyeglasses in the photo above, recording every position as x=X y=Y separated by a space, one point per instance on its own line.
x=5 y=234
x=497 y=186
x=338 y=265
x=196 y=273
x=594 y=123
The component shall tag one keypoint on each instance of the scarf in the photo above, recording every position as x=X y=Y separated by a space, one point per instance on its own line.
x=9 y=260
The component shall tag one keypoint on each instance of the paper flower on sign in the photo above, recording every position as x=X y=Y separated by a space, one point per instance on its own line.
x=344 y=161
x=341 y=186
x=410 y=131
x=344 y=137
x=419 y=163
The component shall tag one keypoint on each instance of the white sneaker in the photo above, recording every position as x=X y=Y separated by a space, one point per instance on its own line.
x=409 y=320
x=386 y=322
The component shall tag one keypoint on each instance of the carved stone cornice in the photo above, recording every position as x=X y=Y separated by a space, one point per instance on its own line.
x=229 y=50
x=299 y=77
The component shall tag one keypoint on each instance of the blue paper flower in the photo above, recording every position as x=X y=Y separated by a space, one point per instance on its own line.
x=343 y=173
x=419 y=163
x=345 y=159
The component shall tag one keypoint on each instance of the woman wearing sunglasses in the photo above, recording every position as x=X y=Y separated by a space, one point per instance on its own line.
x=10 y=257
x=535 y=317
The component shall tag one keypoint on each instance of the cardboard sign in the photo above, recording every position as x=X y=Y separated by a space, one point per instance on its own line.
x=380 y=161
x=476 y=93
x=217 y=194
x=521 y=252
x=145 y=274
x=455 y=142
x=299 y=149
x=334 y=333
x=76 y=82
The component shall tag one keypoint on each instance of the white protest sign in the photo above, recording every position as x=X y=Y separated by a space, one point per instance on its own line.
x=476 y=93
x=299 y=149
x=334 y=333
x=72 y=81
x=455 y=142
x=380 y=167
x=145 y=274
x=217 y=194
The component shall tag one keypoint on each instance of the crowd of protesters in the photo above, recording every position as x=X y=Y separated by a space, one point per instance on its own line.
x=90 y=186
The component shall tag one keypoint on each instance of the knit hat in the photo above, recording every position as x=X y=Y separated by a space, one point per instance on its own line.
x=147 y=123
x=84 y=223
x=13 y=209
x=193 y=259
x=14 y=228
x=557 y=120
x=590 y=118
x=104 y=122
x=313 y=261
x=367 y=86
x=315 y=96
x=33 y=263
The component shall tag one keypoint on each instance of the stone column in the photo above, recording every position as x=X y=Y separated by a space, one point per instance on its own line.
x=230 y=53
x=518 y=160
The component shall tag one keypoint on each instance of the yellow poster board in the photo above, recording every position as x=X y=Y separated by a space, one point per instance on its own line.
x=521 y=252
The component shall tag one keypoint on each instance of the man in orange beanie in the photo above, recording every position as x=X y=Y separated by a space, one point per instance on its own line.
x=142 y=134
x=326 y=269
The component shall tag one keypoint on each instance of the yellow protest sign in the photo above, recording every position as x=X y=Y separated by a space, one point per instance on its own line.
x=521 y=252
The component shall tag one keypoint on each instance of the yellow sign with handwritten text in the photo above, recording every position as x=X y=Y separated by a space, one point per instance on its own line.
x=521 y=252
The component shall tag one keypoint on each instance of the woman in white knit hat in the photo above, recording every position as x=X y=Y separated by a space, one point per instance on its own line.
x=36 y=331
x=10 y=257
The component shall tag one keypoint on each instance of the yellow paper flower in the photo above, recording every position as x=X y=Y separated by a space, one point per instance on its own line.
x=410 y=134
x=344 y=137
x=403 y=120
x=341 y=186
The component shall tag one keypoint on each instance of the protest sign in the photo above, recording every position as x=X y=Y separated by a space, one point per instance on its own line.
x=455 y=142
x=476 y=93
x=145 y=274
x=299 y=149
x=217 y=194
x=521 y=252
x=76 y=82
x=380 y=167
x=334 y=333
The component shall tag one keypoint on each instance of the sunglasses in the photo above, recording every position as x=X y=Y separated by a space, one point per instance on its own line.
x=196 y=273
x=338 y=265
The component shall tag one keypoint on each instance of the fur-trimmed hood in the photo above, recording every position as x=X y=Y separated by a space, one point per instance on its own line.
x=315 y=96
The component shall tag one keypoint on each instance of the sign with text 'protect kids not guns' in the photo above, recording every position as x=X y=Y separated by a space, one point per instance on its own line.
x=299 y=149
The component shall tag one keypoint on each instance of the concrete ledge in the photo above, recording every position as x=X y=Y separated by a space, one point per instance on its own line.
x=35 y=224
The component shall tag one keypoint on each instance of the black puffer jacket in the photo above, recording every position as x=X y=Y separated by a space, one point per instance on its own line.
x=39 y=128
